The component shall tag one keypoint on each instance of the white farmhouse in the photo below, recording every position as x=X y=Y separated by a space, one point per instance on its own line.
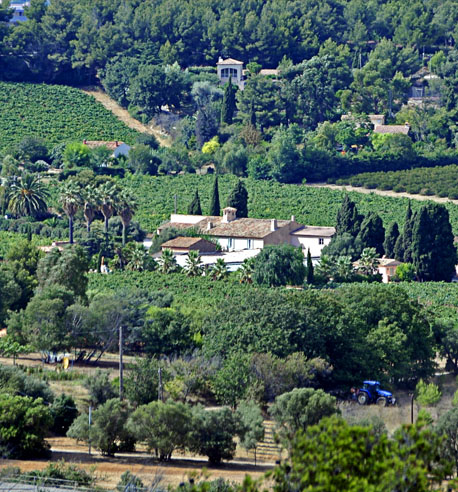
x=238 y=234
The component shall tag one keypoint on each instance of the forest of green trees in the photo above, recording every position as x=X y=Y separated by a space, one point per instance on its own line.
x=333 y=58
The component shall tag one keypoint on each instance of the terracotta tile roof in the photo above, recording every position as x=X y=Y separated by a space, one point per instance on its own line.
x=229 y=61
x=404 y=129
x=315 y=231
x=388 y=262
x=100 y=143
x=175 y=225
x=182 y=242
x=246 y=227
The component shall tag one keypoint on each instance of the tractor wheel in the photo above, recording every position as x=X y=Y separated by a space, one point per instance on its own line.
x=381 y=402
x=362 y=398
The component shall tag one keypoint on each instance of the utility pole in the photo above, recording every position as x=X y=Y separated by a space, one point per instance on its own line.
x=175 y=199
x=121 y=375
x=89 y=432
x=160 y=392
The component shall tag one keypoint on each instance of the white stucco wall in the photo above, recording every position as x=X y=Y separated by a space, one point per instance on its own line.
x=239 y=244
x=313 y=243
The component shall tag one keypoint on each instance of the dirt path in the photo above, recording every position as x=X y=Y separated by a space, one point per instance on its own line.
x=109 y=470
x=125 y=117
x=432 y=198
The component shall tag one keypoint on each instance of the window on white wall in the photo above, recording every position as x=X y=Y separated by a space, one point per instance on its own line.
x=250 y=244
x=320 y=240
x=230 y=243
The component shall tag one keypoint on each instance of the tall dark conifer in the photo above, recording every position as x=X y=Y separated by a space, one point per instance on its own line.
x=348 y=219
x=433 y=251
x=215 y=208
x=239 y=199
x=228 y=107
x=310 y=272
x=392 y=235
x=194 y=207
x=407 y=235
x=372 y=233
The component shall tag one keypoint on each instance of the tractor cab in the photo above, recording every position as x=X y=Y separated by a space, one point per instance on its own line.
x=371 y=393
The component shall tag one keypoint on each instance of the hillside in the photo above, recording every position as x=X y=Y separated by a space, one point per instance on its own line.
x=57 y=114
x=267 y=199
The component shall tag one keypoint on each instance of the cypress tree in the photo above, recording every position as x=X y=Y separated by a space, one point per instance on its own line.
x=238 y=199
x=391 y=238
x=228 y=107
x=372 y=233
x=399 y=248
x=310 y=273
x=407 y=235
x=215 y=208
x=433 y=252
x=194 y=207
x=348 y=219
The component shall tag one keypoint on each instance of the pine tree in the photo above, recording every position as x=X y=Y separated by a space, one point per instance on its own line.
x=228 y=107
x=310 y=273
x=194 y=207
x=391 y=237
x=433 y=252
x=239 y=199
x=215 y=208
x=348 y=219
x=372 y=233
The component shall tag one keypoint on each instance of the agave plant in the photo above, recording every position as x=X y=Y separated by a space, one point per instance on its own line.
x=193 y=265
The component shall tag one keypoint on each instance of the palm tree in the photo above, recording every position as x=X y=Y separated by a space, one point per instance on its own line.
x=193 y=267
x=219 y=270
x=125 y=208
x=70 y=198
x=326 y=267
x=246 y=271
x=108 y=194
x=368 y=262
x=138 y=258
x=90 y=197
x=167 y=261
x=344 y=268
x=27 y=196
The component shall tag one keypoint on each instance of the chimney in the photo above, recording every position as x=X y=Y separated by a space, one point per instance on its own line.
x=209 y=225
x=273 y=225
x=117 y=144
x=229 y=214
x=293 y=218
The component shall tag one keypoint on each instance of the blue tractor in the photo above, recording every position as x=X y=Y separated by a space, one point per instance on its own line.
x=371 y=393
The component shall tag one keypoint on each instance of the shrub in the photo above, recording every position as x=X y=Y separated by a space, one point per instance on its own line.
x=24 y=422
x=63 y=412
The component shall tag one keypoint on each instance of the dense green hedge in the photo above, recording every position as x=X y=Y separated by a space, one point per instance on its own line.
x=441 y=181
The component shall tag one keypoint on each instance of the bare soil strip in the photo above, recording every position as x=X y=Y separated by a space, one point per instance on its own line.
x=432 y=198
x=125 y=117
